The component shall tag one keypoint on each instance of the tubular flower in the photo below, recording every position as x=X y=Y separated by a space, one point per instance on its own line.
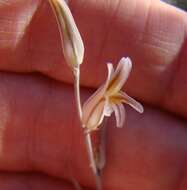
x=72 y=44
x=109 y=98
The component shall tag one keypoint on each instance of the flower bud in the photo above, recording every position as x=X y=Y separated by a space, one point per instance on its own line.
x=72 y=44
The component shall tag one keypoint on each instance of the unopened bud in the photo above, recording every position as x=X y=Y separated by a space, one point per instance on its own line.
x=72 y=44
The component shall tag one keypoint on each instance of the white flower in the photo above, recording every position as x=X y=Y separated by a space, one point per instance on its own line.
x=109 y=98
x=72 y=44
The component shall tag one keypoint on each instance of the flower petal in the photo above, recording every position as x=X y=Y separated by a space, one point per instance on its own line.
x=120 y=76
x=92 y=118
x=132 y=102
x=90 y=104
x=72 y=43
x=110 y=74
x=119 y=111
x=108 y=109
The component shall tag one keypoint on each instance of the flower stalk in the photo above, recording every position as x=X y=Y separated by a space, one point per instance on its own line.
x=88 y=139
x=92 y=161
x=76 y=73
x=73 y=50
x=101 y=150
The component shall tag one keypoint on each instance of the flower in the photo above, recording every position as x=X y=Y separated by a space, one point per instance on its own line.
x=109 y=98
x=72 y=44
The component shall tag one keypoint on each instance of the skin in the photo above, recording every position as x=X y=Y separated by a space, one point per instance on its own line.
x=41 y=143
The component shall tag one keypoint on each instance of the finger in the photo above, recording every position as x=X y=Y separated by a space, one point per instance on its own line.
x=31 y=181
x=40 y=132
x=21 y=24
x=152 y=33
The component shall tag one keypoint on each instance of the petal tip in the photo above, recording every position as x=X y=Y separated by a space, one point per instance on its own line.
x=126 y=59
x=140 y=108
x=126 y=64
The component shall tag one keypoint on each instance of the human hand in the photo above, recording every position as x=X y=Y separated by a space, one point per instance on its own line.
x=39 y=126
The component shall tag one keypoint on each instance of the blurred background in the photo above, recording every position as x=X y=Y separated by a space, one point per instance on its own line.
x=178 y=3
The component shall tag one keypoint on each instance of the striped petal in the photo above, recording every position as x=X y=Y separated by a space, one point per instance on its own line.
x=120 y=76
x=108 y=108
x=132 y=102
x=119 y=111
x=110 y=74
x=72 y=43
x=99 y=96
x=93 y=118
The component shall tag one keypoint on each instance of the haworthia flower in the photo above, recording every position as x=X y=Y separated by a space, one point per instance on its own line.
x=72 y=44
x=109 y=98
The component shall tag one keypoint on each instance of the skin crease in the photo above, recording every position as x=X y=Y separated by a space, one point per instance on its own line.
x=31 y=181
x=39 y=130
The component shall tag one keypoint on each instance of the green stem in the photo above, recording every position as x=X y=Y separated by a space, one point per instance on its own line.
x=92 y=161
x=87 y=135
x=76 y=73
x=101 y=161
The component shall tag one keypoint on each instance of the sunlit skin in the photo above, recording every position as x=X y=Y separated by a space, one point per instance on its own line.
x=39 y=130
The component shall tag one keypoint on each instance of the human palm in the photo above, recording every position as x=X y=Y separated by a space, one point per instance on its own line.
x=42 y=145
